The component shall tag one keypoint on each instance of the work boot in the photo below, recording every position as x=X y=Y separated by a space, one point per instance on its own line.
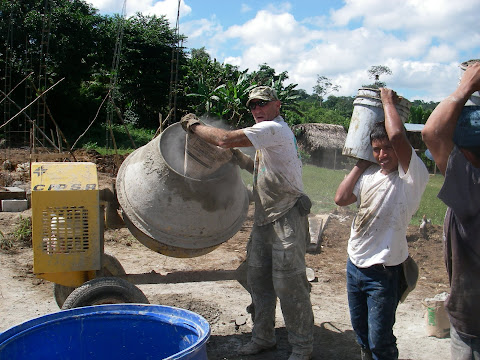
x=252 y=348
x=295 y=356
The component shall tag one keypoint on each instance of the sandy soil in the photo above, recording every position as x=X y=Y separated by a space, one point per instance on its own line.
x=207 y=285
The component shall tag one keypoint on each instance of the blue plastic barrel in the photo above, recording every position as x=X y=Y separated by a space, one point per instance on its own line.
x=120 y=331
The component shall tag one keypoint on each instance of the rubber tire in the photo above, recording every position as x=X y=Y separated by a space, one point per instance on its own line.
x=106 y=290
x=111 y=267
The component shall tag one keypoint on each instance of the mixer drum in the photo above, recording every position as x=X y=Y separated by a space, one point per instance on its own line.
x=174 y=214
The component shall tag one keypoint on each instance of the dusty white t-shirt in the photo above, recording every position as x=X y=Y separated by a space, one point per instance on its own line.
x=386 y=205
x=278 y=169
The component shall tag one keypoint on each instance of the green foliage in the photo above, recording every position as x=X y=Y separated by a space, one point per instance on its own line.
x=431 y=205
x=23 y=231
x=81 y=49
x=230 y=99
x=374 y=73
x=97 y=139
x=420 y=111
x=418 y=115
x=81 y=46
x=323 y=87
x=311 y=112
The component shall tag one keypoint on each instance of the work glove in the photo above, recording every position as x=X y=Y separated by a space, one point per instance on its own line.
x=188 y=121
x=242 y=160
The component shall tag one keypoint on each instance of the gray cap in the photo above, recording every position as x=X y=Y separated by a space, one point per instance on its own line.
x=262 y=93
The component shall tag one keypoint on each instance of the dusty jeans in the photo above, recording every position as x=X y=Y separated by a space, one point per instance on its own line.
x=463 y=348
x=276 y=268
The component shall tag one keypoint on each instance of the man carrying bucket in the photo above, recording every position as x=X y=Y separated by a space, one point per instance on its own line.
x=277 y=246
x=387 y=194
x=452 y=134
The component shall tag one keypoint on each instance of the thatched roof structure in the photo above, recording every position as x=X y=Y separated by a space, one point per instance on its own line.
x=315 y=136
x=323 y=142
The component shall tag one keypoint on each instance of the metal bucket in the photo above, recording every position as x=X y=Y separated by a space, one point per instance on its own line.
x=474 y=99
x=171 y=213
x=368 y=110
x=121 y=331
x=467 y=130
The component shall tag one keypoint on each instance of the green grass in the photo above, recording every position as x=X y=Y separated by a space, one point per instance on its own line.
x=431 y=205
x=321 y=184
x=97 y=139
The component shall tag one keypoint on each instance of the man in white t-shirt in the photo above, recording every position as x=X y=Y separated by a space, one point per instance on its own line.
x=387 y=194
x=277 y=246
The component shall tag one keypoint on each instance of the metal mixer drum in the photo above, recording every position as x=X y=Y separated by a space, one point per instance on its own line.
x=173 y=214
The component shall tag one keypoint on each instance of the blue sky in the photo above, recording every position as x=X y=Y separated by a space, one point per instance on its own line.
x=421 y=41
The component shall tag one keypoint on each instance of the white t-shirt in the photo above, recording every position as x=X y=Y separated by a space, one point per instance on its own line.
x=277 y=182
x=386 y=205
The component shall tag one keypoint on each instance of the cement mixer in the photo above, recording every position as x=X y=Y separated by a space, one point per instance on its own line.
x=176 y=214
x=170 y=208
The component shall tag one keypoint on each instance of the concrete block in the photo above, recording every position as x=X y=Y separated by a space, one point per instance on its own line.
x=12 y=205
x=12 y=192
x=317 y=223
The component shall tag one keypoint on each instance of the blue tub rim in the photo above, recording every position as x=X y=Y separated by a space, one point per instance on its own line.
x=200 y=324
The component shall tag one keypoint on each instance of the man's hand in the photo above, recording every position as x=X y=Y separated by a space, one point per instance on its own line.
x=389 y=96
x=188 y=121
x=363 y=164
x=471 y=78
x=242 y=160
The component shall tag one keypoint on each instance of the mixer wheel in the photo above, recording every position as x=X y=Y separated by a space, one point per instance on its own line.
x=106 y=290
x=111 y=267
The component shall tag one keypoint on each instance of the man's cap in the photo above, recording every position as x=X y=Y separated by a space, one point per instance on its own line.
x=467 y=131
x=262 y=93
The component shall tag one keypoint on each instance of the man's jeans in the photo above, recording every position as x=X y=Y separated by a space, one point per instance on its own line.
x=463 y=348
x=276 y=268
x=373 y=297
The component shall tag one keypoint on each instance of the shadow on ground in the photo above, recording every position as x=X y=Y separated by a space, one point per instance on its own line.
x=329 y=343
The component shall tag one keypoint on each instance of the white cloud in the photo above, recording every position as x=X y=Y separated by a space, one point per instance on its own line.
x=245 y=8
x=422 y=41
x=442 y=53
x=107 y=6
x=168 y=8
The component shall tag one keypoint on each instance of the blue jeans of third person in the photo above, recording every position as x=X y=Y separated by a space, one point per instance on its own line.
x=373 y=296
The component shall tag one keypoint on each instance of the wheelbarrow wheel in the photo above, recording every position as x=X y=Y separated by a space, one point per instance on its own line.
x=106 y=290
x=111 y=267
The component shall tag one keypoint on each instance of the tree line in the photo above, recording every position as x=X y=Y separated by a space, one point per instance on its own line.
x=140 y=64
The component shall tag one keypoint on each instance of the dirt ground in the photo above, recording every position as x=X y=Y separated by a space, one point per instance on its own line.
x=207 y=284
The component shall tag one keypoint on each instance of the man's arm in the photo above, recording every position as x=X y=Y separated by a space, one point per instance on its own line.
x=344 y=195
x=220 y=137
x=395 y=129
x=440 y=127
x=223 y=138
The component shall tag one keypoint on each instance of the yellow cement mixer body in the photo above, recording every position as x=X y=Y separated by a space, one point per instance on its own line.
x=67 y=231
x=168 y=212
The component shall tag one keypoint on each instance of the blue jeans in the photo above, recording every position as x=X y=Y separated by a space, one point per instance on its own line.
x=373 y=296
x=463 y=348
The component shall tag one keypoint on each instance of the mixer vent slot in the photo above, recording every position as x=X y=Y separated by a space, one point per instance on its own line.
x=65 y=230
